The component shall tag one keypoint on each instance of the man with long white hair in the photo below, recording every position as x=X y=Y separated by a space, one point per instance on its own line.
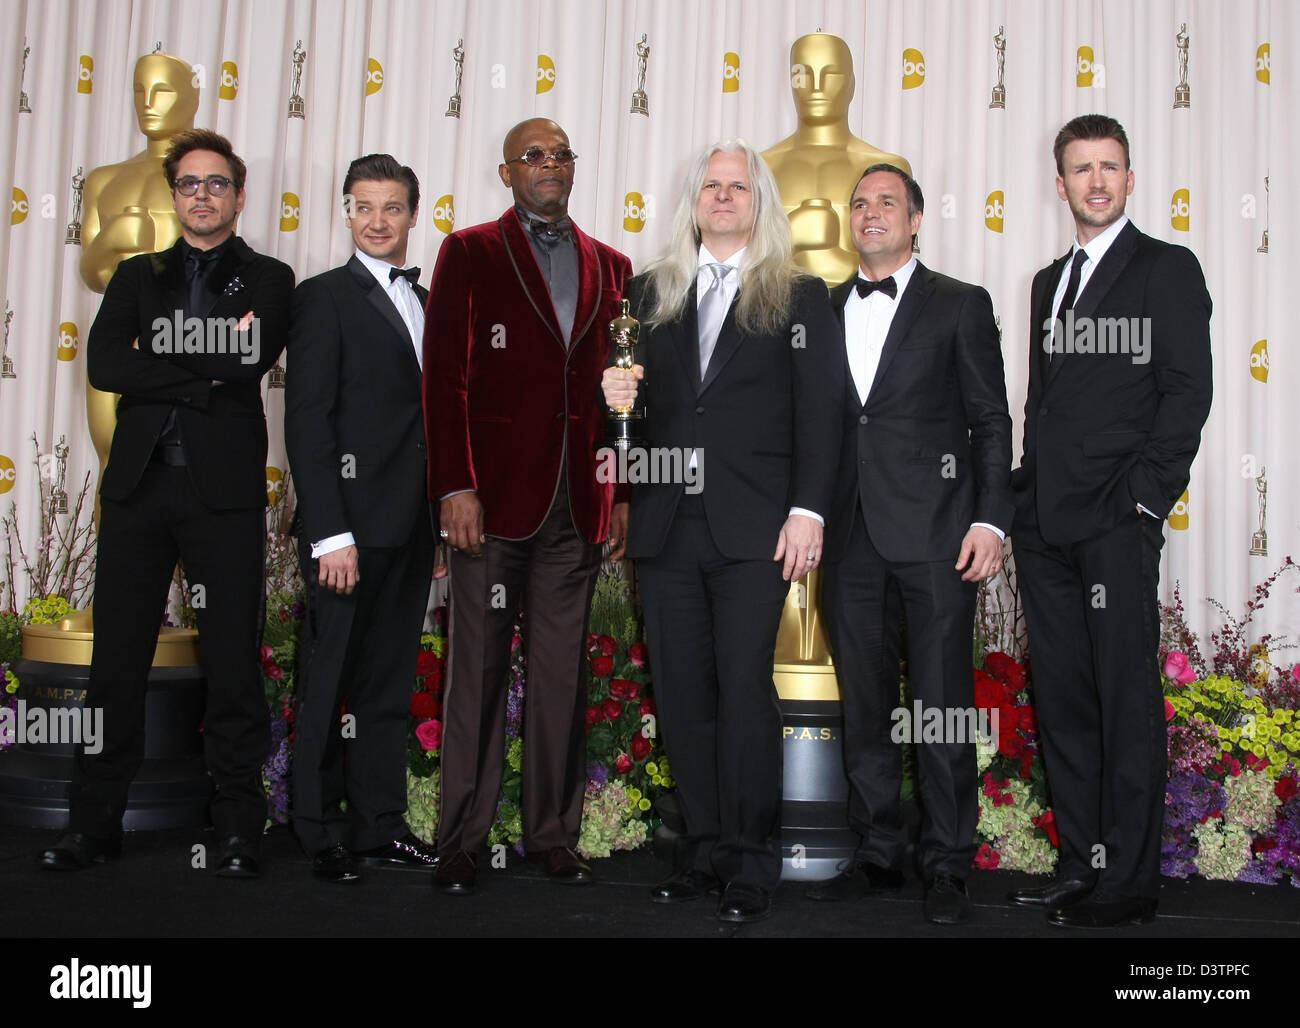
x=738 y=355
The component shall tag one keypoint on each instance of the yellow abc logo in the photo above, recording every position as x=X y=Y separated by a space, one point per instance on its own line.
x=1180 y=515
x=444 y=213
x=1083 y=62
x=18 y=213
x=67 y=340
x=634 y=212
x=731 y=72
x=1180 y=210
x=545 y=73
x=1259 y=361
x=229 y=80
x=374 y=76
x=7 y=474
x=1262 y=62
x=85 y=73
x=913 y=68
x=993 y=211
x=290 y=209
x=274 y=479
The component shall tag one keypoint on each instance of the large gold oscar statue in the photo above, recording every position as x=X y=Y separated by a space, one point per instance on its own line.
x=128 y=211
x=816 y=169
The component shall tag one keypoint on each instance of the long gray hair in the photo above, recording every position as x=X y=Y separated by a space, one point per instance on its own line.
x=768 y=272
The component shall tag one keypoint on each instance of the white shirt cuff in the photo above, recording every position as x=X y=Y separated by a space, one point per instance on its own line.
x=992 y=528
x=334 y=542
x=808 y=514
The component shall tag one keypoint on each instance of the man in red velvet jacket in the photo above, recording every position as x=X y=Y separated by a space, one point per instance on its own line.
x=515 y=341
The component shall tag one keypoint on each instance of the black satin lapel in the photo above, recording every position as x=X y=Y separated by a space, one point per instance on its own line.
x=686 y=340
x=1108 y=271
x=381 y=301
x=1043 y=315
x=914 y=299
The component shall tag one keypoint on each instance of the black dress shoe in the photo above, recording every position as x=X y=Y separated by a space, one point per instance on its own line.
x=76 y=852
x=858 y=882
x=455 y=877
x=238 y=858
x=1104 y=914
x=946 y=900
x=562 y=865
x=1055 y=894
x=335 y=865
x=684 y=886
x=744 y=904
x=408 y=851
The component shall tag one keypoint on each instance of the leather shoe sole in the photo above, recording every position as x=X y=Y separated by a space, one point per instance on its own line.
x=1054 y=895
x=1092 y=914
x=76 y=852
x=562 y=865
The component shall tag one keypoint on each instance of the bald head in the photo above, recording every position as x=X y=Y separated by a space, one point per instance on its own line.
x=540 y=189
x=515 y=139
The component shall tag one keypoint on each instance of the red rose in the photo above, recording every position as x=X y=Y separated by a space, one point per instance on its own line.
x=608 y=646
x=1263 y=845
x=613 y=709
x=425 y=705
x=1026 y=764
x=639 y=655
x=1010 y=744
x=648 y=707
x=987 y=858
x=641 y=746
x=990 y=692
x=602 y=666
x=1026 y=718
x=624 y=689
x=434 y=682
x=266 y=653
x=595 y=715
x=272 y=670
x=1047 y=822
x=430 y=734
x=1285 y=788
x=424 y=664
x=622 y=763
x=999 y=665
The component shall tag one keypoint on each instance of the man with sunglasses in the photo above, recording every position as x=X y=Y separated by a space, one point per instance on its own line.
x=515 y=341
x=185 y=336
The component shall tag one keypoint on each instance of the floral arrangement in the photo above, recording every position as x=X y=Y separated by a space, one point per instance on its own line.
x=1232 y=809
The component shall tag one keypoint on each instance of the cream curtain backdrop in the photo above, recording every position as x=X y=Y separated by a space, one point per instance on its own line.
x=378 y=76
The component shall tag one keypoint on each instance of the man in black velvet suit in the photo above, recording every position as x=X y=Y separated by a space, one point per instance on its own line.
x=921 y=509
x=186 y=477
x=1119 y=387
x=740 y=353
x=354 y=428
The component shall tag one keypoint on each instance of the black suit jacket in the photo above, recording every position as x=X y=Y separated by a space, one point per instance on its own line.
x=1105 y=432
x=223 y=427
x=930 y=451
x=353 y=416
x=769 y=439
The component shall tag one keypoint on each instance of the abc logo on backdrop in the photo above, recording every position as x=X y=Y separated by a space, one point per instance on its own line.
x=545 y=73
x=290 y=211
x=1259 y=361
x=85 y=74
x=274 y=480
x=374 y=76
x=8 y=473
x=229 y=80
x=1180 y=210
x=444 y=213
x=731 y=72
x=1180 y=516
x=67 y=341
x=993 y=211
x=913 y=68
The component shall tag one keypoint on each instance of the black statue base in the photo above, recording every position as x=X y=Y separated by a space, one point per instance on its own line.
x=172 y=789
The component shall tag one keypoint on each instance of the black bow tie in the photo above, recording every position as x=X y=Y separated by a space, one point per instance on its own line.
x=411 y=275
x=886 y=285
x=551 y=232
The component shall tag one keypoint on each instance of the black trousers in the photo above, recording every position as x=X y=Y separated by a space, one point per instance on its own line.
x=1094 y=632
x=711 y=623
x=223 y=551
x=861 y=597
x=553 y=573
x=360 y=650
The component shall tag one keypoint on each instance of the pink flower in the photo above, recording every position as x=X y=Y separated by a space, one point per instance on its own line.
x=1169 y=711
x=639 y=655
x=267 y=651
x=1178 y=669
x=430 y=734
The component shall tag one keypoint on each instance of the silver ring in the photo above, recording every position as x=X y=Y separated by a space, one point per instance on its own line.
x=444 y=533
x=811 y=558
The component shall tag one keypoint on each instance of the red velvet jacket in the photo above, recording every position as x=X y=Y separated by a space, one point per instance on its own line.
x=503 y=397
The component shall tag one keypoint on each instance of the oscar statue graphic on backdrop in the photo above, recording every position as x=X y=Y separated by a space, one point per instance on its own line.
x=453 y=102
x=999 y=99
x=1182 y=91
x=127 y=210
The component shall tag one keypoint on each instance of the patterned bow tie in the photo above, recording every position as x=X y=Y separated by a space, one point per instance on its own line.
x=411 y=275
x=885 y=285
x=551 y=232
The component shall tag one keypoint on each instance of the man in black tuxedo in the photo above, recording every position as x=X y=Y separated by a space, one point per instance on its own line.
x=923 y=482
x=739 y=353
x=1119 y=387
x=354 y=428
x=186 y=477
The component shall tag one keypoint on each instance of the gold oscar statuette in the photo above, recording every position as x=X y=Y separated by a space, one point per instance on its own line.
x=624 y=422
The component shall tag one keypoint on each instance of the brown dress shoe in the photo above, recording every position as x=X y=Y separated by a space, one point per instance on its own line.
x=456 y=875
x=562 y=865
